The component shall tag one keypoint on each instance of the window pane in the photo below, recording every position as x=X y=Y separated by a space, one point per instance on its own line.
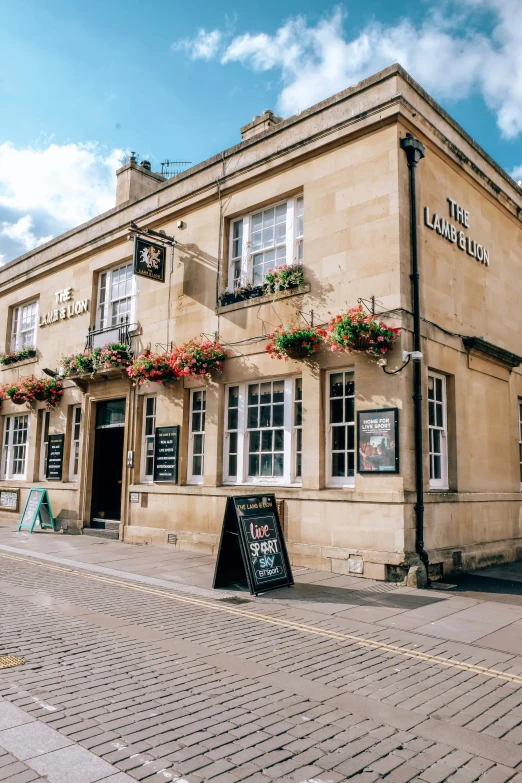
x=266 y=464
x=264 y=420
x=196 y=422
x=279 y=415
x=336 y=411
x=253 y=394
x=252 y=417
x=232 y=465
x=336 y=384
x=279 y=465
x=431 y=413
x=233 y=396
x=338 y=464
x=232 y=419
x=197 y=465
x=279 y=391
x=255 y=440
x=232 y=443
x=198 y=444
x=253 y=465
x=266 y=441
x=338 y=438
x=349 y=414
x=279 y=437
x=440 y=416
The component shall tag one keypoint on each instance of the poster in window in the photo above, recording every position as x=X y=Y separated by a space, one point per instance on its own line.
x=378 y=441
x=149 y=259
x=166 y=453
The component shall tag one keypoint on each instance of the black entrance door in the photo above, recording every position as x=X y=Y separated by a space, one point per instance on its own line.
x=108 y=460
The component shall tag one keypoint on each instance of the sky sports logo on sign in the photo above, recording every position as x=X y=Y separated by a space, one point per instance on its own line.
x=264 y=549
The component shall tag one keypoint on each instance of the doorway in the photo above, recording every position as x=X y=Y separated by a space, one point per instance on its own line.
x=107 y=470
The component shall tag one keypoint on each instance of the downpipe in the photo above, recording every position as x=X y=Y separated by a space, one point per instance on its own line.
x=414 y=150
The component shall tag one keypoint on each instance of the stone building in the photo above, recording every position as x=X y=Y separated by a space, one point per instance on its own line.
x=334 y=181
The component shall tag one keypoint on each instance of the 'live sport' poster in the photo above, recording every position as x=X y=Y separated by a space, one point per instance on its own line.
x=378 y=441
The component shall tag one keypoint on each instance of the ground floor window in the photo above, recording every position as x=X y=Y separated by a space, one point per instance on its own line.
x=340 y=429
x=46 y=416
x=14 y=446
x=75 y=442
x=260 y=444
x=520 y=435
x=437 y=427
x=149 y=427
x=198 y=402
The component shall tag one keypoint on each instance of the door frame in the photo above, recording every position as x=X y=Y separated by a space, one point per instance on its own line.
x=118 y=391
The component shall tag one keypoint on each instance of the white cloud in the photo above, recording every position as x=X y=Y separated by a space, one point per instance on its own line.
x=204 y=46
x=517 y=174
x=46 y=191
x=21 y=232
x=447 y=53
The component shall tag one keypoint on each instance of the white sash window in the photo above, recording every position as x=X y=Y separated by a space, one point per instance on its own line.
x=14 y=446
x=24 y=325
x=267 y=238
x=438 y=431
x=116 y=296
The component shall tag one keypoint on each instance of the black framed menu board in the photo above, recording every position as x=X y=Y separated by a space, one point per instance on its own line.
x=54 y=469
x=166 y=453
x=252 y=549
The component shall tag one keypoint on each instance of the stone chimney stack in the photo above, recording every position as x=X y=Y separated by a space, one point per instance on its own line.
x=259 y=124
x=135 y=180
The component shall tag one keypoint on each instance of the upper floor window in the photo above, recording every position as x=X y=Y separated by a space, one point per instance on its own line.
x=14 y=446
x=116 y=294
x=24 y=323
x=264 y=239
x=438 y=430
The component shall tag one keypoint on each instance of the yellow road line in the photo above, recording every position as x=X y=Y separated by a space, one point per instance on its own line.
x=291 y=625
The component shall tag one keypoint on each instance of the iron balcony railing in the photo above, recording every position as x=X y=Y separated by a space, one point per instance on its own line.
x=117 y=333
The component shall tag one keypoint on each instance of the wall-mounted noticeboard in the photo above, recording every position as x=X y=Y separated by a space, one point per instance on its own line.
x=378 y=441
x=166 y=443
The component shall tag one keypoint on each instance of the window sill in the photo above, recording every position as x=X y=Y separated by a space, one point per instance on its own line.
x=261 y=485
x=16 y=365
x=259 y=300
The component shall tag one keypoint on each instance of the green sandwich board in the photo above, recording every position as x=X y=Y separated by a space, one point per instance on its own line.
x=37 y=509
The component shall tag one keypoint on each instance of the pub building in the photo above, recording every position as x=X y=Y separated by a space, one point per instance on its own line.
x=377 y=197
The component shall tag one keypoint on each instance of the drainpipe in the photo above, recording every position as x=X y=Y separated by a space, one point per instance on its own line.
x=414 y=150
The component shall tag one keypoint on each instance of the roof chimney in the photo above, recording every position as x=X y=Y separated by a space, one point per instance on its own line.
x=259 y=124
x=134 y=181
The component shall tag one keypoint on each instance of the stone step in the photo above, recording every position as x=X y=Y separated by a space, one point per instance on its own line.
x=105 y=524
x=101 y=533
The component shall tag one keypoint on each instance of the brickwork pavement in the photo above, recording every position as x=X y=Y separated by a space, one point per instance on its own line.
x=169 y=691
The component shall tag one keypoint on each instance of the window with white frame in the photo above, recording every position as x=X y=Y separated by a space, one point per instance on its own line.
x=520 y=435
x=196 y=461
x=298 y=427
x=149 y=430
x=116 y=294
x=44 y=444
x=269 y=237
x=24 y=323
x=341 y=429
x=437 y=427
x=76 y=422
x=260 y=442
x=14 y=446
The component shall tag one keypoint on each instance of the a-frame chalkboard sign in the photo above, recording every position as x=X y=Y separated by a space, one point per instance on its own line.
x=252 y=550
x=37 y=509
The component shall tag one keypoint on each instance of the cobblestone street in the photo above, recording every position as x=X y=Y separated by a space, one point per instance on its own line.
x=136 y=670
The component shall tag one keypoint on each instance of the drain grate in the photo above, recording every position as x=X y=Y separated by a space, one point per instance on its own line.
x=234 y=600
x=6 y=661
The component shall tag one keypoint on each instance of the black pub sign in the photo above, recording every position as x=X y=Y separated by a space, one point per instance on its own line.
x=149 y=259
x=252 y=549
x=166 y=453
x=55 y=457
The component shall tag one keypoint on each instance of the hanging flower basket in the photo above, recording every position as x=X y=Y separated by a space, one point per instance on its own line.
x=294 y=342
x=197 y=358
x=151 y=368
x=357 y=330
x=31 y=389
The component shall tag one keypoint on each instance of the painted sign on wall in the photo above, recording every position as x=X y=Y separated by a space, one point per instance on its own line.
x=66 y=308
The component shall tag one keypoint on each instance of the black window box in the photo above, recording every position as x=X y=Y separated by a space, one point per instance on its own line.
x=14 y=359
x=241 y=296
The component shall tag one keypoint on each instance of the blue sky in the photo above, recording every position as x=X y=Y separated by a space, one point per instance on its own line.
x=81 y=83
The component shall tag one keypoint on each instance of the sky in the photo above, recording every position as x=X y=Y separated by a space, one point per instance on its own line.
x=83 y=83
